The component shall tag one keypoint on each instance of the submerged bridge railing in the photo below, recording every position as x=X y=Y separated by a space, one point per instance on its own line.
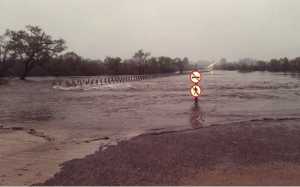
x=104 y=80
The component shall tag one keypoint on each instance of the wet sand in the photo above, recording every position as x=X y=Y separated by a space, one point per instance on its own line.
x=30 y=155
x=249 y=153
x=26 y=158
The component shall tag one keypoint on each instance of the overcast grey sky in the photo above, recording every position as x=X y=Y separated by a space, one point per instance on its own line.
x=198 y=29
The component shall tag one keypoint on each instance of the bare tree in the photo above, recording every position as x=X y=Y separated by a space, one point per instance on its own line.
x=33 y=46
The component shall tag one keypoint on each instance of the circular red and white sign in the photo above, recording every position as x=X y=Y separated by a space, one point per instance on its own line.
x=196 y=90
x=195 y=77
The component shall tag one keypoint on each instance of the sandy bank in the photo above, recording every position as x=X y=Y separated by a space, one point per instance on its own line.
x=250 y=153
x=28 y=156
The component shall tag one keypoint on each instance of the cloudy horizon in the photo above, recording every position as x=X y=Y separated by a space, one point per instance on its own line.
x=198 y=29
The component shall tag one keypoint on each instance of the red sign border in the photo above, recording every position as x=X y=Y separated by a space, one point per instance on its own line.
x=201 y=90
x=190 y=76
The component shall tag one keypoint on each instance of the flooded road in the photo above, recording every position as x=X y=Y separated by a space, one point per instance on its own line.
x=42 y=125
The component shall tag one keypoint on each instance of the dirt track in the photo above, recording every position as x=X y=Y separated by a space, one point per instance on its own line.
x=250 y=153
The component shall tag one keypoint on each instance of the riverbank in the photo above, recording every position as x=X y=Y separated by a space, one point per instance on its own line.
x=29 y=156
x=248 y=153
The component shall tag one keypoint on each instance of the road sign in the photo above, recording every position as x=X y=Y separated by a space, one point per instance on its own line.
x=196 y=90
x=195 y=77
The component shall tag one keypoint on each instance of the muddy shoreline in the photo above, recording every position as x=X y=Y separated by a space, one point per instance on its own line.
x=246 y=153
x=29 y=156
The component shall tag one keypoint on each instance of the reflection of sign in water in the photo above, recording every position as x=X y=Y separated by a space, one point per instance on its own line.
x=195 y=77
x=195 y=90
x=197 y=118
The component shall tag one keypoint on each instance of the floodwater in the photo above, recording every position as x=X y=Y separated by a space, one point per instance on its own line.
x=161 y=103
x=70 y=117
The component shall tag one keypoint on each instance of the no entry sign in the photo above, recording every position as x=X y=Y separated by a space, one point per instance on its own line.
x=195 y=90
x=195 y=77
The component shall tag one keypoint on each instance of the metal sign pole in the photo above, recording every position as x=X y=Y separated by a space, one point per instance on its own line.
x=196 y=100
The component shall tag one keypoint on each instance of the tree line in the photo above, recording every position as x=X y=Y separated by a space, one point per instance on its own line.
x=32 y=52
x=274 y=65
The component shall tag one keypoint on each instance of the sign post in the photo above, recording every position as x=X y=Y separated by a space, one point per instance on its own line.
x=195 y=90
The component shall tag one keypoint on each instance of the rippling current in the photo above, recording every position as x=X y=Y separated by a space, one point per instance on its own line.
x=152 y=105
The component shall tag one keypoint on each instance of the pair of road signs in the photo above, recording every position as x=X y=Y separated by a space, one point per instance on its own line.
x=195 y=77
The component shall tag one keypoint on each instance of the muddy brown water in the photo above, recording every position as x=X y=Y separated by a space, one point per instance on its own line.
x=64 y=117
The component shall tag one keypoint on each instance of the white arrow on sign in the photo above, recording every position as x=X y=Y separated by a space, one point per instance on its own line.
x=195 y=77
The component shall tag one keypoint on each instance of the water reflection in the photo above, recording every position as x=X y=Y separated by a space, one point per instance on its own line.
x=197 y=116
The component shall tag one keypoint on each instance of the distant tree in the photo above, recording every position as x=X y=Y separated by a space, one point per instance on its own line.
x=167 y=65
x=5 y=55
x=274 y=65
x=113 y=65
x=67 y=64
x=285 y=65
x=296 y=64
x=261 y=65
x=181 y=64
x=223 y=61
x=140 y=57
x=33 y=46
x=153 y=65
x=71 y=56
x=184 y=64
